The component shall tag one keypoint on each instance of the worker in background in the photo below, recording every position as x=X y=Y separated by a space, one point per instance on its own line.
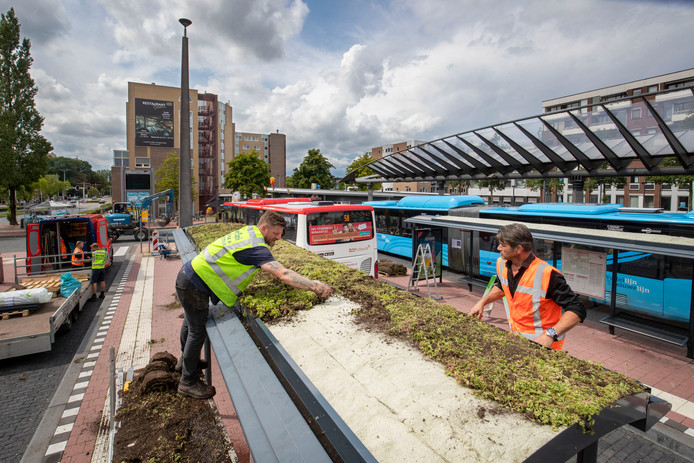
x=221 y=272
x=99 y=258
x=78 y=255
x=64 y=254
x=535 y=292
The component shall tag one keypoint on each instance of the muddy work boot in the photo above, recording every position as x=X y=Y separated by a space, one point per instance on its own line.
x=202 y=365
x=198 y=390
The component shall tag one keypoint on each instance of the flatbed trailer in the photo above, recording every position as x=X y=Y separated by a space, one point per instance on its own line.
x=35 y=331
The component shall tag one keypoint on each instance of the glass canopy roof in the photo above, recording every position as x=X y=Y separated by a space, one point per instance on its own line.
x=650 y=134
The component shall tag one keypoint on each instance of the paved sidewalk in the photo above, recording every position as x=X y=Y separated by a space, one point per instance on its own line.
x=166 y=318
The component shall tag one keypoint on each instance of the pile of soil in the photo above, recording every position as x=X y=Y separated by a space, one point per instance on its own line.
x=391 y=268
x=158 y=424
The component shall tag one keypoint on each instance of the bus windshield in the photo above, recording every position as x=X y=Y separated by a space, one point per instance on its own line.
x=339 y=227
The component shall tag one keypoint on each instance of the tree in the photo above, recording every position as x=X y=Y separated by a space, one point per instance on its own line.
x=48 y=186
x=677 y=180
x=359 y=165
x=493 y=185
x=248 y=174
x=461 y=185
x=167 y=178
x=555 y=185
x=104 y=180
x=23 y=151
x=315 y=168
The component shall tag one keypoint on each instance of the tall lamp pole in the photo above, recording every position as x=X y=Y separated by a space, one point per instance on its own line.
x=185 y=193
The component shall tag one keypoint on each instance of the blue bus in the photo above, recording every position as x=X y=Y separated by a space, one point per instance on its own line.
x=647 y=284
x=394 y=236
x=613 y=217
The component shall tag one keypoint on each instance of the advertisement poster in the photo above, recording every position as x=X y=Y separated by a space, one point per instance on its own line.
x=339 y=233
x=136 y=197
x=154 y=124
x=433 y=238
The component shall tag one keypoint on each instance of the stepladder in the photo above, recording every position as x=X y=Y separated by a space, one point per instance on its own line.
x=424 y=269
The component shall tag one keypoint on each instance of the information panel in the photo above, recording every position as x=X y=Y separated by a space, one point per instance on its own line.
x=585 y=271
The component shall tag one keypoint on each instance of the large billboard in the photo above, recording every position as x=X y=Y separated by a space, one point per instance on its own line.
x=154 y=124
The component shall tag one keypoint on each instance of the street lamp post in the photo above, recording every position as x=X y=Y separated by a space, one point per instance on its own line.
x=65 y=190
x=185 y=183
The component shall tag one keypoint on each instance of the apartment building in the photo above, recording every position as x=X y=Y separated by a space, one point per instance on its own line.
x=272 y=148
x=153 y=114
x=638 y=192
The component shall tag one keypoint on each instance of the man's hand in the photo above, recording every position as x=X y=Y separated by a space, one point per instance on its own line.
x=544 y=340
x=477 y=310
x=322 y=290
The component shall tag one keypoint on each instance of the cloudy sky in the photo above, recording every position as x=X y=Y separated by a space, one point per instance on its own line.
x=340 y=75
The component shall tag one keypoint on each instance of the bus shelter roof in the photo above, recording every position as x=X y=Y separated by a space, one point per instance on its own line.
x=622 y=137
x=623 y=241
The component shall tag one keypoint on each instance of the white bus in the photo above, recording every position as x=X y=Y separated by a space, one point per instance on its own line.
x=341 y=232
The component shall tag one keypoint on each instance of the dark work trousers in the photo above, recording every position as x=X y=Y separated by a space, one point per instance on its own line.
x=196 y=308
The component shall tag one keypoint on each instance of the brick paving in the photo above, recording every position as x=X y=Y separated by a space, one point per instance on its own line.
x=166 y=323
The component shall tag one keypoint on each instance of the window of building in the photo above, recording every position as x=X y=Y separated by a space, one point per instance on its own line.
x=649 y=186
x=682 y=203
x=653 y=88
x=616 y=96
x=637 y=91
x=407 y=188
x=679 y=108
x=636 y=113
x=246 y=147
x=681 y=84
x=651 y=131
x=666 y=202
x=252 y=138
x=649 y=201
x=619 y=199
x=142 y=162
x=665 y=186
x=633 y=201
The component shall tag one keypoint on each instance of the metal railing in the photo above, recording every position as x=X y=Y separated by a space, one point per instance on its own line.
x=46 y=264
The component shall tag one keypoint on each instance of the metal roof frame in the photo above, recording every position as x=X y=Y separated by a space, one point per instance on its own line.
x=596 y=140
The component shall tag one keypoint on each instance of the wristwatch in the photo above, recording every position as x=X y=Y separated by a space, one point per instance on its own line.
x=552 y=333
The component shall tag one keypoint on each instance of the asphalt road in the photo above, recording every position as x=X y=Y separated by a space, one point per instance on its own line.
x=28 y=383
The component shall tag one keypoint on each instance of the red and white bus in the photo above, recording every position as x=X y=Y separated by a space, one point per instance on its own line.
x=341 y=232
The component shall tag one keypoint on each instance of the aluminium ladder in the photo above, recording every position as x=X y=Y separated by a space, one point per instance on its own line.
x=425 y=265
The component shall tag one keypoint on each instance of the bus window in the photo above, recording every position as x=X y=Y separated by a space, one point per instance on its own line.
x=289 y=233
x=339 y=227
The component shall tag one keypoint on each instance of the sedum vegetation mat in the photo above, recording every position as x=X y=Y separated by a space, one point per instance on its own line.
x=544 y=385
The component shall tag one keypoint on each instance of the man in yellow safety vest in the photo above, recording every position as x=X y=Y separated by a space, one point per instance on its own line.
x=99 y=259
x=221 y=272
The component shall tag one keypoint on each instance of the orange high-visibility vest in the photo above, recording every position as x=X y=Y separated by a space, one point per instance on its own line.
x=63 y=249
x=78 y=257
x=529 y=312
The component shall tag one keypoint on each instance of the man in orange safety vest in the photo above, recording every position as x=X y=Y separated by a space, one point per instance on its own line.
x=534 y=292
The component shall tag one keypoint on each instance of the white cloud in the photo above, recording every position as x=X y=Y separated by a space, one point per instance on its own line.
x=410 y=70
